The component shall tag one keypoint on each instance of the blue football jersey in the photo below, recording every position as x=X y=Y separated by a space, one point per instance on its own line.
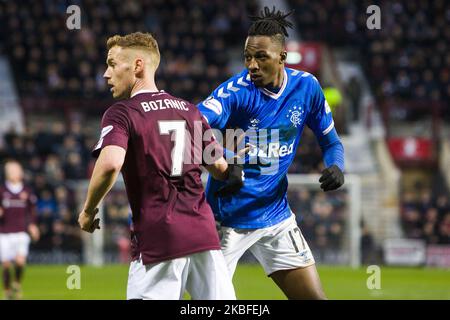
x=278 y=119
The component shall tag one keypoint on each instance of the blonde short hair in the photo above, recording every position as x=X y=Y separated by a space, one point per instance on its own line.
x=137 y=40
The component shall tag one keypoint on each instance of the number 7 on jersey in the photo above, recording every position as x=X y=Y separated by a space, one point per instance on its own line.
x=165 y=127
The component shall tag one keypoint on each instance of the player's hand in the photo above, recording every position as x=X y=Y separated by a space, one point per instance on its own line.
x=236 y=174
x=88 y=222
x=331 y=179
x=1 y=213
x=34 y=232
x=234 y=182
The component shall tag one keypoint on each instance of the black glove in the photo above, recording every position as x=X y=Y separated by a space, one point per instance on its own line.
x=332 y=178
x=234 y=182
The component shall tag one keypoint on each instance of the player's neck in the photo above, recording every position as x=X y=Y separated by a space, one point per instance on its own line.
x=147 y=85
x=278 y=82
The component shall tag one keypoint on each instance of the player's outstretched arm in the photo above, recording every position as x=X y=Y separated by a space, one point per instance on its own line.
x=105 y=173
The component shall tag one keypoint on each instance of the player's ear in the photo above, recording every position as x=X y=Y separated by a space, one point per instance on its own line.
x=283 y=56
x=138 y=65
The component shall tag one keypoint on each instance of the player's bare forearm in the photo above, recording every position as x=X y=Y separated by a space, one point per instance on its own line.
x=34 y=232
x=104 y=176
x=101 y=182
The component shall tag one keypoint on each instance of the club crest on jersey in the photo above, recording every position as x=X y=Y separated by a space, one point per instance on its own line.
x=253 y=123
x=295 y=115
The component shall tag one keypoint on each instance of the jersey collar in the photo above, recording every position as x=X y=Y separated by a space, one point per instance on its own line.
x=14 y=188
x=145 y=91
x=280 y=92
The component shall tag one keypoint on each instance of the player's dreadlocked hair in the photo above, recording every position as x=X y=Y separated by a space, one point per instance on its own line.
x=270 y=23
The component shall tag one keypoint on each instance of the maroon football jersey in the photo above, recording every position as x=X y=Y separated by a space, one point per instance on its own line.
x=170 y=215
x=18 y=210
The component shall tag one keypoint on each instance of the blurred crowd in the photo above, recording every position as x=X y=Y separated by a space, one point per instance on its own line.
x=117 y=224
x=425 y=215
x=322 y=217
x=408 y=58
x=51 y=61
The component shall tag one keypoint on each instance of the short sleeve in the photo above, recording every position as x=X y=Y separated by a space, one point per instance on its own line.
x=210 y=144
x=115 y=129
